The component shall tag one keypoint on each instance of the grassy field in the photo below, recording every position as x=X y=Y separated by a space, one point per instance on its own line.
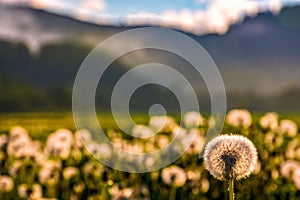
x=76 y=175
x=40 y=124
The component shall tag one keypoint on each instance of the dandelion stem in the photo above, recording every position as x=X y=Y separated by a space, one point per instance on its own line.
x=103 y=192
x=231 y=188
x=173 y=193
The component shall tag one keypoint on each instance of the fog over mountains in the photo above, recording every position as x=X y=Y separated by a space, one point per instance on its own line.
x=41 y=52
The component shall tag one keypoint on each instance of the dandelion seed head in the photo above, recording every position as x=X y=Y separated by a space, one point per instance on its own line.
x=79 y=187
x=32 y=192
x=3 y=140
x=193 y=175
x=293 y=149
x=197 y=144
x=193 y=119
x=273 y=140
x=149 y=162
x=118 y=193
x=70 y=172
x=230 y=155
x=49 y=173
x=142 y=131
x=288 y=127
x=92 y=168
x=18 y=144
x=239 y=117
x=162 y=123
x=82 y=136
x=17 y=131
x=162 y=141
x=269 y=121
x=174 y=176
x=99 y=150
x=37 y=192
x=204 y=185
x=6 y=184
x=296 y=178
x=274 y=174
x=15 y=167
x=179 y=132
x=59 y=144
x=23 y=191
x=288 y=168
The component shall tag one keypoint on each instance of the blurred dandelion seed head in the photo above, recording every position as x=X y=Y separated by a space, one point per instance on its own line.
x=174 y=176
x=6 y=184
x=269 y=121
x=59 y=144
x=296 y=178
x=70 y=172
x=193 y=175
x=293 y=149
x=50 y=172
x=288 y=168
x=193 y=119
x=142 y=131
x=162 y=123
x=3 y=140
x=288 y=127
x=239 y=117
x=230 y=155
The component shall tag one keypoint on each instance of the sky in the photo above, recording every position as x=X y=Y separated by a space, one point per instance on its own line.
x=195 y=16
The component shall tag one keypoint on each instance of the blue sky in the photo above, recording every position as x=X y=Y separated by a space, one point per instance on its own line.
x=195 y=16
x=152 y=6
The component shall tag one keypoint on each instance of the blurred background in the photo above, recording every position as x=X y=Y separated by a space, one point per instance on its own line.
x=255 y=44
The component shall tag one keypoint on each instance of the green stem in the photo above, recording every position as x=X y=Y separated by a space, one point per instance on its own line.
x=51 y=191
x=173 y=193
x=103 y=192
x=231 y=189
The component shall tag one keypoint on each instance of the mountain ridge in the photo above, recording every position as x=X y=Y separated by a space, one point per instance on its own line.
x=262 y=50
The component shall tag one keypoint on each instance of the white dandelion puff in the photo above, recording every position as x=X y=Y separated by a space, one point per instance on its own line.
x=142 y=131
x=193 y=119
x=296 y=178
x=162 y=123
x=288 y=168
x=230 y=156
x=174 y=176
x=269 y=121
x=239 y=117
x=6 y=184
x=70 y=172
x=288 y=127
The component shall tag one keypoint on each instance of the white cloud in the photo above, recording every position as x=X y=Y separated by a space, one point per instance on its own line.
x=88 y=8
x=85 y=10
x=26 y=29
x=274 y=5
x=201 y=1
x=22 y=26
x=93 y=5
x=221 y=14
x=53 y=5
x=217 y=18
